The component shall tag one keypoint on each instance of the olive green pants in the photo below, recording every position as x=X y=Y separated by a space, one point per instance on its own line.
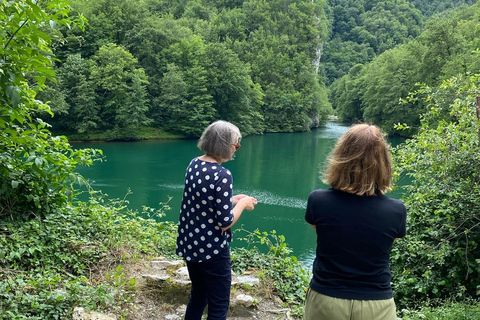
x=322 y=307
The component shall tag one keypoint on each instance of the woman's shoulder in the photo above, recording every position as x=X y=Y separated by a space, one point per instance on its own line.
x=395 y=202
x=322 y=193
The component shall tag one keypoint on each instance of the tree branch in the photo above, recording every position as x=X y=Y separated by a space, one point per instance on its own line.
x=16 y=31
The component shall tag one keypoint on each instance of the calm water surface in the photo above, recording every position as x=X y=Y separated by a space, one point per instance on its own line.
x=280 y=170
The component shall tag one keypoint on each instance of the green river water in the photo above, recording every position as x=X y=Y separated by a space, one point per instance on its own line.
x=279 y=169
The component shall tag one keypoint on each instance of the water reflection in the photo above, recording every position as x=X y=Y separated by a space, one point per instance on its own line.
x=332 y=130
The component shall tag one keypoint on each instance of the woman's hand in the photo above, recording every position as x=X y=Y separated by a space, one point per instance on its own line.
x=237 y=197
x=247 y=202
x=241 y=202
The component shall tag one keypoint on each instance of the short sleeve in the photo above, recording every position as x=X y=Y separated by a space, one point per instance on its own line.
x=403 y=223
x=309 y=212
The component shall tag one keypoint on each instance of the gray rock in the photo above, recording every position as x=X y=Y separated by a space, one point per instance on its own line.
x=182 y=274
x=155 y=278
x=244 y=300
x=165 y=264
x=82 y=314
x=248 y=280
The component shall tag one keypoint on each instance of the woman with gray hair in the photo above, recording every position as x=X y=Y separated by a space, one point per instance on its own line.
x=207 y=213
x=356 y=225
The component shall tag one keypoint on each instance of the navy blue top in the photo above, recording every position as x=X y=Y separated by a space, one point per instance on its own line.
x=354 y=237
x=206 y=208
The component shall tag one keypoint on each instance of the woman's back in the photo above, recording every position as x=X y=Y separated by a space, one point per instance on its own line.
x=354 y=236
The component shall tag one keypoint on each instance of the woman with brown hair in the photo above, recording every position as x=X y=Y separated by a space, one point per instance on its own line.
x=356 y=225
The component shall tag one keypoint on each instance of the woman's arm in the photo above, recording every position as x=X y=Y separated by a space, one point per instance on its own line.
x=245 y=202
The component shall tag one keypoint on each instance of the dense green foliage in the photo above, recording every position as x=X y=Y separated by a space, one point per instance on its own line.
x=469 y=310
x=49 y=245
x=178 y=66
x=440 y=257
x=372 y=92
x=47 y=264
x=431 y=7
x=361 y=30
x=36 y=169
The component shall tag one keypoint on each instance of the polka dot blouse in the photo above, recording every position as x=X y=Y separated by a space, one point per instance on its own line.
x=206 y=208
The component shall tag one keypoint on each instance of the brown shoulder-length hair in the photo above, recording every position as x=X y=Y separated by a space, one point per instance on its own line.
x=360 y=163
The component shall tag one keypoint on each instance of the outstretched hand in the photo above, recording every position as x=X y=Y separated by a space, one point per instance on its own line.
x=237 y=197
x=248 y=202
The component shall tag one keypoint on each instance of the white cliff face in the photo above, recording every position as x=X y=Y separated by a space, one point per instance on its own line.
x=318 y=56
x=319 y=50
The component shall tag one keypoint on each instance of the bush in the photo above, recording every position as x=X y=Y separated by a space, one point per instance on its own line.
x=47 y=264
x=440 y=257
x=288 y=277
x=467 y=310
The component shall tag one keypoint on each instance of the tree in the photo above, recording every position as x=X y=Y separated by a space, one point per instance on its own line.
x=237 y=98
x=282 y=48
x=388 y=79
x=448 y=47
x=185 y=100
x=76 y=86
x=346 y=95
x=443 y=43
x=392 y=23
x=429 y=8
x=440 y=255
x=37 y=170
x=362 y=30
x=109 y=21
x=121 y=87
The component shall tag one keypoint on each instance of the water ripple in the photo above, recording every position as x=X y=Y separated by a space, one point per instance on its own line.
x=170 y=186
x=269 y=198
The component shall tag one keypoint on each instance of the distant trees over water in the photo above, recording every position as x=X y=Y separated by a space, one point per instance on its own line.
x=375 y=91
x=268 y=66
x=179 y=65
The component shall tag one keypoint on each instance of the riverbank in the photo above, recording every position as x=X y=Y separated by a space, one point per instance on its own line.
x=161 y=292
x=121 y=134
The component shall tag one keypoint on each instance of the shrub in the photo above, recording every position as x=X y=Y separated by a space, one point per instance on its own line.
x=440 y=256
x=288 y=277
x=467 y=310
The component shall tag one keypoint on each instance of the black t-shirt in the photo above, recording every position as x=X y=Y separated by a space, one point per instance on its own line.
x=354 y=237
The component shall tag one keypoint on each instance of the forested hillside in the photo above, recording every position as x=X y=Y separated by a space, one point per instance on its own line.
x=179 y=65
x=361 y=29
x=431 y=7
x=376 y=91
x=264 y=65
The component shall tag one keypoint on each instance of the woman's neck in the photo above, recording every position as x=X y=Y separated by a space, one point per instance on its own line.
x=209 y=158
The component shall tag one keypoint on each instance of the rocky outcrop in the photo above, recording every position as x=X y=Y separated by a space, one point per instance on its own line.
x=173 y=277
x=163 y=288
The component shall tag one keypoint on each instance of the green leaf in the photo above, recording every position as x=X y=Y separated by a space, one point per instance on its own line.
x=13 y=95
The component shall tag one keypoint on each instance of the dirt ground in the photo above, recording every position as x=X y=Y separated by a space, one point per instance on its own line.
x=154 y=302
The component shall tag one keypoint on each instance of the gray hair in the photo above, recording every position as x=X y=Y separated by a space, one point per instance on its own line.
x=217 y=139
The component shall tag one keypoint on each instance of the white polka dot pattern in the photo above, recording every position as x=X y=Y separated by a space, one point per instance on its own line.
x=206 y=208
